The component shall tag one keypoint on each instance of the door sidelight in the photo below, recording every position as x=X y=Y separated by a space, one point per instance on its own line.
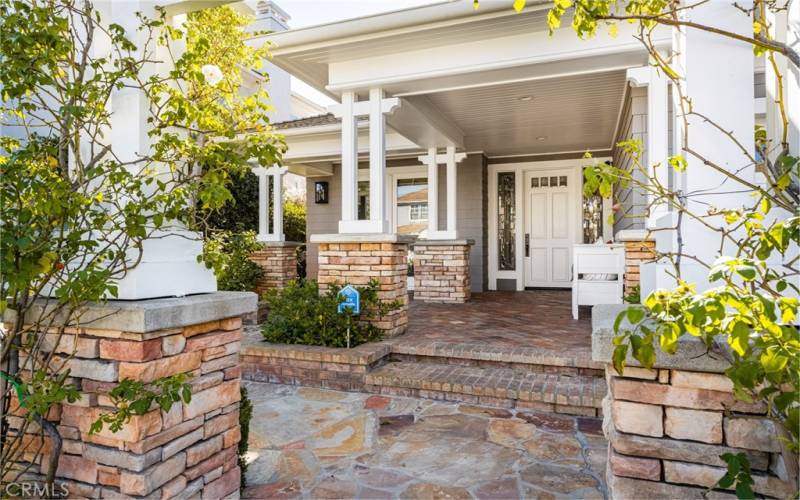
x=527 y=245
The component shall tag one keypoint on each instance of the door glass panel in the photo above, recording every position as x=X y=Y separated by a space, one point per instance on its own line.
x=535 y=182
x=543 y=181
x=562 y=180
x=412 y=206
x=553 y=181
x=506 y=220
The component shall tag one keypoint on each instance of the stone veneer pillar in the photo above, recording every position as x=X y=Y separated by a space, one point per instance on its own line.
x=442 y=270
x=189 y=451
x=358 y=259
x=668 y=426
x=640 y=247
x=278 y=259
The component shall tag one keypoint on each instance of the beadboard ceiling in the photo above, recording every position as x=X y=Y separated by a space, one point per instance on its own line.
x=573 y=113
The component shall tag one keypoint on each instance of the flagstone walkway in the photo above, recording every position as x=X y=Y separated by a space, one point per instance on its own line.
x=316 y=443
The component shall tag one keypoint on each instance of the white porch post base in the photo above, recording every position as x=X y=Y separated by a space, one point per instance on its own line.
x=363 y=226
x=449 y=234
x=168 y=268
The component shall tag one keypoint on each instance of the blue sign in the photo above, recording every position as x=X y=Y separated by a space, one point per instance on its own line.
x=352 y=300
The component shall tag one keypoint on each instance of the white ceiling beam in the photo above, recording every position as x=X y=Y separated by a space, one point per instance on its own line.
x=419 y=121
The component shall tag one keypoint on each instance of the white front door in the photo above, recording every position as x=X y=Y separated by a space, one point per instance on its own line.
x=550 y=205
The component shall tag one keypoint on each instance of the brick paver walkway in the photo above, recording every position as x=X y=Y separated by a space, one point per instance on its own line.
x=316 y=443
x=536 y=322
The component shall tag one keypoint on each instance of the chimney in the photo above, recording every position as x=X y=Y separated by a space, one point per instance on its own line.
x=269 y=17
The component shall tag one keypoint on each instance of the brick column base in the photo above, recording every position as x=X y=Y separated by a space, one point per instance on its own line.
x=442 y=270
x=189 y=451
x=279 y=262
x=384 y=259
x=636 y=252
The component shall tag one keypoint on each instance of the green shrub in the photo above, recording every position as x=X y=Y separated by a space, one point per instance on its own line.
x=245 y=414
x=227 y=253
x=298 y=314
x=634 y=296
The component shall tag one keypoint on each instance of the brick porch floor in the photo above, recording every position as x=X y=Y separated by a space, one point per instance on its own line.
x=533 y=326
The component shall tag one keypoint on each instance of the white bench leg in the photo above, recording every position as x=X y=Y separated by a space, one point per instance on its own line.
x=575 y=301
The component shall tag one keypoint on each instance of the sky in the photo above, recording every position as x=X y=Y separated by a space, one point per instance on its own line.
x=313 y=12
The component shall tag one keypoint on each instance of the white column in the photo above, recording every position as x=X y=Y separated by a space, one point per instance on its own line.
x=718 y=78
x=657 y=137
x=349 y=160
x=263 y=223
x=276 y=172
x=433 y=160
x=277 y=204
x=349 y=110
x=433 y=192
x=377 y=161
x=657 y=146
x=452 y=192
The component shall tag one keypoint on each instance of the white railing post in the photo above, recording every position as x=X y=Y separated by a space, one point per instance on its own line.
x=452 y=190
x=349 y=159
x=276 y=172
x=377 y=160
x=433 y=192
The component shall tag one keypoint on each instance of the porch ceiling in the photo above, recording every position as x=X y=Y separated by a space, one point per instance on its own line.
x=573 y=113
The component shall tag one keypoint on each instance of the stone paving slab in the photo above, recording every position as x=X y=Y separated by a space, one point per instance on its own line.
x=318 y=443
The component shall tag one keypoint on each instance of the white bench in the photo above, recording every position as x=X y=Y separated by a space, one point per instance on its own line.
x=597 y=275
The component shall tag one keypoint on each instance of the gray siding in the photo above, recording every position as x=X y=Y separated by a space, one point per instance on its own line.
x=323 y=219
x=633 y=125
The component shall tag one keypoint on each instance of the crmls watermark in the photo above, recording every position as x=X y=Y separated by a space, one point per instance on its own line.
x=24 y=489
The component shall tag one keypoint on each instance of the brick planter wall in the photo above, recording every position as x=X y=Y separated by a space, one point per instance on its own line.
x=189 y=451
x=312 y=366
x=667 y=427
x=442 y=271
x=358 y=262
x=279 y=262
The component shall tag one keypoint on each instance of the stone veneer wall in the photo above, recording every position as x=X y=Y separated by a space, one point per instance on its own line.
x=357 y=263
x=189 y=451
x=667 y=427
x=442 y=271
x=279 y=262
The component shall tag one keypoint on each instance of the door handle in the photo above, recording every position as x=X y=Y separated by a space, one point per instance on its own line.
x=527 y=245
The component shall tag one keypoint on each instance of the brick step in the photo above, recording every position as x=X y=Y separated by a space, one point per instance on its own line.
x=490 y=386
x=527 y=359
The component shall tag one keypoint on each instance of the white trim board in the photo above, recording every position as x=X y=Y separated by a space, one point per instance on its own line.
x=519 y=168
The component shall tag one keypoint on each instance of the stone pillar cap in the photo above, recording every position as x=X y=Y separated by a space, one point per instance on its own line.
x=281 y=243
x=634 y=235
x=691 y=355
x=429 y=243
x=361 y=238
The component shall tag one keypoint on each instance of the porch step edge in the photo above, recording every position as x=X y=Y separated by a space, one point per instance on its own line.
x=520 y=355
x=504 y=387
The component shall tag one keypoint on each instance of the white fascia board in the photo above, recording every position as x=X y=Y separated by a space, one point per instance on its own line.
x=317 y=146
x=481 y=55
x=396 y=23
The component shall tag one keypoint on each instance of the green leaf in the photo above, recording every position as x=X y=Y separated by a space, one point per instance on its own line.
x=635 y=315
x=618 y=358
x=739 y=338
x=519 y=5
